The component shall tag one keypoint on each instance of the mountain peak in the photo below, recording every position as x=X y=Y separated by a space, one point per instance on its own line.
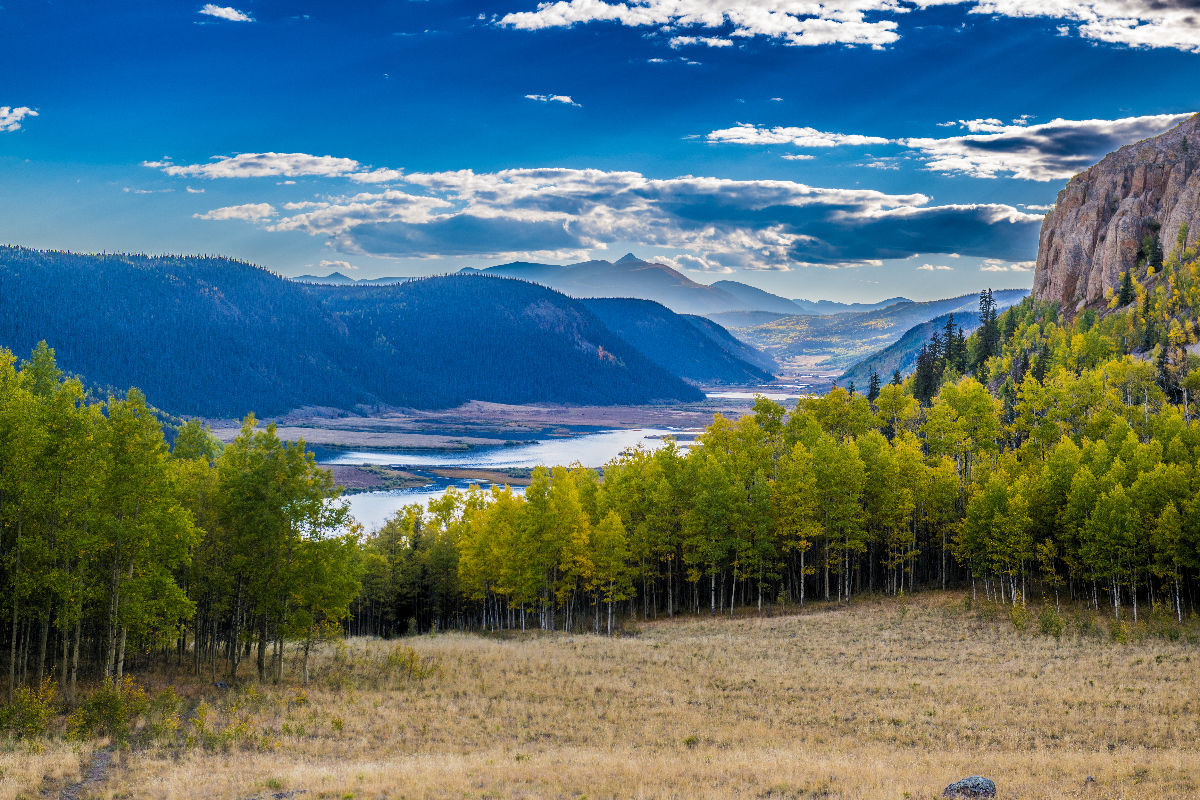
x=629 y=258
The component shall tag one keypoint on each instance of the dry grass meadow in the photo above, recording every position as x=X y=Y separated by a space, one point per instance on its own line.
x=882 y=699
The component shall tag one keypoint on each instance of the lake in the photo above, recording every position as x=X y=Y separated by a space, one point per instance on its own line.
x=592 y=449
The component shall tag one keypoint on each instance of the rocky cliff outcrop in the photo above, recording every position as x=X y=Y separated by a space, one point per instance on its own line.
x=1095 y=230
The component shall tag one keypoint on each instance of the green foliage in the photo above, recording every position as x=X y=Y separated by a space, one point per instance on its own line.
x=109 y=711
x=31 y=710
x=1050 y=622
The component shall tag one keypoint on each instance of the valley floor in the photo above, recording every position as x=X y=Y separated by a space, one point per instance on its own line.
x=882 y=699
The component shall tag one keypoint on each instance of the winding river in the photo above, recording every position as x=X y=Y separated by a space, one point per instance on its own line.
x=594 y=449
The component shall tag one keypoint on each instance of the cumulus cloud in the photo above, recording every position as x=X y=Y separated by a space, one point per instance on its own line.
x=721 y=224
x=934 y=268
x=988 y=148
x=677 y=42
x=10 y=118
x=225 y=12
x=1049 y=151
x=743 y=133
x=553 y=98
x=997 y=265
x=1129 y=23
x=283 y=165
x=248 y=212
x=337 y=266
x=795 y=22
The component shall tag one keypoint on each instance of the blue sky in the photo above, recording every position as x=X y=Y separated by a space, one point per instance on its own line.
x=852 y=149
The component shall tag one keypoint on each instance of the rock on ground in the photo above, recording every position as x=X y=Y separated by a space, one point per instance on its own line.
x=970 y=788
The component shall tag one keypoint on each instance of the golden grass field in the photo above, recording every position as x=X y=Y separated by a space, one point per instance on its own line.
x=881 y=699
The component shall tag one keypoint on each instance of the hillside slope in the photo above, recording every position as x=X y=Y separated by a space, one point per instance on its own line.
x=901 y=355
x=212 y=336
x=837 y=341
x=691 y=347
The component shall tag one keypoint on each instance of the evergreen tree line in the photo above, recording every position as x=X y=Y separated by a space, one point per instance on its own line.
x=116 y=550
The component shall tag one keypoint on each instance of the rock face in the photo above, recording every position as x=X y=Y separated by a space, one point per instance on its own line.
x=1094 y=231
x=970 y=788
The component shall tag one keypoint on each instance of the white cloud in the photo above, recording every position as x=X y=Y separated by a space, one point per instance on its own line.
x=248 y=212
x=285 y=165
x=990 y=148
x=799 y=157
x=795 y=22
x=686 y=262
x=743 y=133
x=997 y=265
x=935 y=267
x=728 y=224
x=225 y=12
x=1130 y=23
x=337 y=266
x=553 y=98
x=677 y=42
x=1045 y=152
x=10 y=118
x=190 y=190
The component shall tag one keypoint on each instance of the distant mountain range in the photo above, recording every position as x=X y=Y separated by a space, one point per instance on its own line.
x=340 y=279
x=837 y=341
x=631 y=276
x=217 y=337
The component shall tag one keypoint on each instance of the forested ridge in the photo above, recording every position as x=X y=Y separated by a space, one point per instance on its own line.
x=216 y=337
x=693 y=347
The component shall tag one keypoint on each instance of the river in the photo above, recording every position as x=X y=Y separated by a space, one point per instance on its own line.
x=592 y=449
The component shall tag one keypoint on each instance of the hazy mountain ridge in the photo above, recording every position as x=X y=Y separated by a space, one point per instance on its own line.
x=213 y=336
x=341 y=279
x=838 y=341
x=633 y=277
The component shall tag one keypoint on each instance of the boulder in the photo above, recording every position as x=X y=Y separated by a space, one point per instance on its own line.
x=970 y=788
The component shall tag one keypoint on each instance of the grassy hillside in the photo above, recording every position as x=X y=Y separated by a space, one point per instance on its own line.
x=876 y=700
x=212 y=336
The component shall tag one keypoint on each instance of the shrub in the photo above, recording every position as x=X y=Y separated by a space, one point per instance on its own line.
x=31 y=711
x=109 y=711
x=405 y=662
x=1051 y=623
x=1020 y=617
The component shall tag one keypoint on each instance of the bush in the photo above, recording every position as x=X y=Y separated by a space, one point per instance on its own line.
x=1051 y=623
x=31 y=711
x=109 y=711
x=404 y=662
x=1020 y=617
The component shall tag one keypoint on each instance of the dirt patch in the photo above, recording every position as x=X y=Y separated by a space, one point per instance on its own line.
x=94 y=773
x=372 y=479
